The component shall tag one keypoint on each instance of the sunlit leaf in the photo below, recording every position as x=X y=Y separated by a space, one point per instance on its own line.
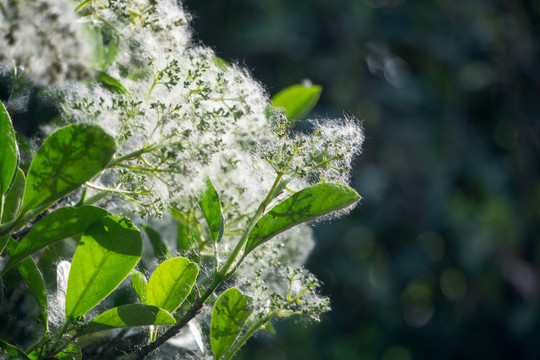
x=229 y=316
x=171 y=283
x=11 y=352
x=82 y=5
x=60 y=224
x=161 y=249
x=33 y=278
x=71 y=352
x=139 y=284
x=221 y=64
x=66 y=160
x=107 y=252
x=8 y=151
x=305 y=205
x=297 y=101
x=127 y=316
x=208 y=199
x=13 y=199
x=111 y=83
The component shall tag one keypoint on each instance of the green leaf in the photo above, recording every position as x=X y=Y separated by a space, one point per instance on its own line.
x=31 y=274
x=221 y=64
x=305 y=205
x=297 y=100
x=12 y=352
x=171 y=283
x=102 y=55
x=139 y=284
x=109 y=54
x=208 y=199
x=13 y=199
x=71 y=352
x=60 y=224
x=182 y=236
x=9 y=152
x=161 y=249
x=111 y=83
x=269 y=328
x=187 y=234
x=127 y=316
x=3 y=241
x=229 y=317
x=1 y=293
x=66 y=160
x=81 y=5
x=107 y=252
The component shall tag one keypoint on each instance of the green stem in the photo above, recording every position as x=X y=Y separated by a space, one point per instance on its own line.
x=2 y=200
x=248 y=334
x=94 y=198
x=137 y=153
x=260 y=323
x=322 y=163
x=131 y=155
x=192 y=312
x=220 y=277
x=116 y=191
x=59 y=343
x=224 y=271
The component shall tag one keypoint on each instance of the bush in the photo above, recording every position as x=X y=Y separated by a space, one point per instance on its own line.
x=165 y=165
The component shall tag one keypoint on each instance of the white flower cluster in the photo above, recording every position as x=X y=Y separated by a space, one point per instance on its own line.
x=45 y=38
x=179 y=113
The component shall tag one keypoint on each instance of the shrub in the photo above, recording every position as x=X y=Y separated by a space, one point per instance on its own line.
x=166 y=166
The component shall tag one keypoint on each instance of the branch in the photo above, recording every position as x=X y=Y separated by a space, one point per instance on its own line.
x=141 y=353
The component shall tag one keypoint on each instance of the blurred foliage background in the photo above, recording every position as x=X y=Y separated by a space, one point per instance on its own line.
x=441 y=260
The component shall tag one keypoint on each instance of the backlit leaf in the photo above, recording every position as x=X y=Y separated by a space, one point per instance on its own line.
x=33 y=278
x=8 y=150
x=305 y=205
x=139 y=284
x=111 y=83
x=171 y=283
x=297 y=100
x=107 y=252
x=208 y=199
x=13 y=198
x=127 y=316
x=66 y=160
x=11 y=352
x=60 y=224
x=229 y=316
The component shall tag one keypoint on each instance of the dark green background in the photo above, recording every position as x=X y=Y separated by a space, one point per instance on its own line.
x=440 y=260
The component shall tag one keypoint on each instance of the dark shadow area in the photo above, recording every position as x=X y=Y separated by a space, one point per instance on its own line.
x=441 y=258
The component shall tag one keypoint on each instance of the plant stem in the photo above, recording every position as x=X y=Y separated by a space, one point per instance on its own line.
x=241 y=244
x=249 y=333
x=220 y=276
x=94 y=198
x=144 y=150
x=130 y=155
x=175 y=329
